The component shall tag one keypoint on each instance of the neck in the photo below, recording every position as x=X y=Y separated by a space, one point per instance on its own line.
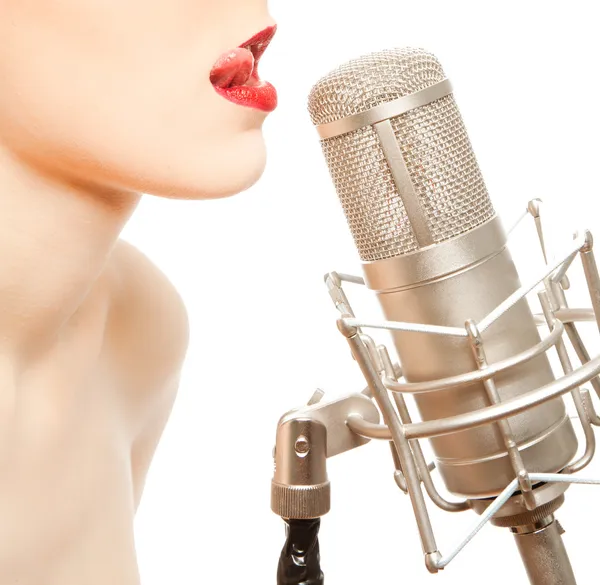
x=55 y=240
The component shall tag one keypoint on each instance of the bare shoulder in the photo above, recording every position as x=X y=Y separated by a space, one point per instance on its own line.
x=148 y=318
x=148 y=335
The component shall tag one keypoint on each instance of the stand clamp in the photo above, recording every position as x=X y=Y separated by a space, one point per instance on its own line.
x=300 y=490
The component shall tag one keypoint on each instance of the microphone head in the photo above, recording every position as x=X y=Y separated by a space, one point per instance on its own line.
x=448 y=193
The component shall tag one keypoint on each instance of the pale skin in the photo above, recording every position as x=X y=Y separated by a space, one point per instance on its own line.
x=100 y=101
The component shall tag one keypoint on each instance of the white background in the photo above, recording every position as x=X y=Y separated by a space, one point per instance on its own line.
x=250 y=269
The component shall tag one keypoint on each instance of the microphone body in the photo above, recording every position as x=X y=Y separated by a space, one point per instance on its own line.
x=475 y=463
x=434 y=251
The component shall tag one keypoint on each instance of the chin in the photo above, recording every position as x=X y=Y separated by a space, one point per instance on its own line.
x=231 y=182
x=227 y=172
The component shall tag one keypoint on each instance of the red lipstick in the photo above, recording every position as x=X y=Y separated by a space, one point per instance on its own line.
x=235 y=75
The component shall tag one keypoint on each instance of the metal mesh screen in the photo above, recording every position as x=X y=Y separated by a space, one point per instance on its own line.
x=434 y=144
x=364 y=184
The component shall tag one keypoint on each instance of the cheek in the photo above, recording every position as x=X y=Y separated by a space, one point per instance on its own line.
x=180 y=146
x=185 y=143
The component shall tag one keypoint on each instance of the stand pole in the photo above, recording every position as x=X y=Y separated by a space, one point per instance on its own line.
x=544 y=554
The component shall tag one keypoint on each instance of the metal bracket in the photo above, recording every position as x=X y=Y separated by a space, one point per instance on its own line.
x=306 y=438
x=333 y=415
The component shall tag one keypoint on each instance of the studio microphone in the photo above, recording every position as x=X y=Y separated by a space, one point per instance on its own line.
x=435 y=253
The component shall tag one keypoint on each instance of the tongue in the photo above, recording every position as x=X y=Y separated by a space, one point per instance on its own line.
x=232 y=68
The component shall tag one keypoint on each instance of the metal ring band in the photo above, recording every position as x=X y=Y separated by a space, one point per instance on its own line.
x=530 y=517
x=438 y=261
x=386 y=110
x=300 y=502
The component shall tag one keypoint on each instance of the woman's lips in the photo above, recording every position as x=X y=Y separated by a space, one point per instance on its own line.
x=235 y=75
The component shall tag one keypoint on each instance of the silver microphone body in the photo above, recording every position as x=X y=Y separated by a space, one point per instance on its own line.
x=434 y=251
x=475 y=463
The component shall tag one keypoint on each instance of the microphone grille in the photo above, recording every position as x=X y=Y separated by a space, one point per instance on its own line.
x=362 y=84
x=433 y=141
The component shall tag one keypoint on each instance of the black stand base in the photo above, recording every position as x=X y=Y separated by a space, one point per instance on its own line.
x=299 y=563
